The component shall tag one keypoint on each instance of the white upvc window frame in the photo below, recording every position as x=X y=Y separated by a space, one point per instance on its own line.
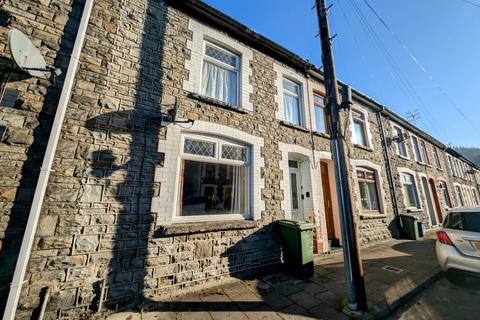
x=436 y=157
x=299 y=97
x=450 y=164
x=177 y=217
x=366 y=127
x=404 y=171
x=404 y=142
x=445 y=192
x=237 y=69
x=323 y=107
x=475 y=197
x=459 y=196
x=418 y=155
x=425 y=146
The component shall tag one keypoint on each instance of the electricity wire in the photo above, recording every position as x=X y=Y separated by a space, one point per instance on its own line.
x=471 y=3
x=422 y=68
x=402 y=81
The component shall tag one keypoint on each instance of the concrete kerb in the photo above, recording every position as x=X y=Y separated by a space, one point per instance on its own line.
x=381 y=311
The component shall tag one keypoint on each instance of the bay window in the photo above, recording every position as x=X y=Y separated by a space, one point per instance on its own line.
x=410 y=190
x=291 y=99
x=367 y=184
x=220 y=74
x=214 y=178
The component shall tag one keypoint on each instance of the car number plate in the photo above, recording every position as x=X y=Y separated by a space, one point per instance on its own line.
x=477 y=245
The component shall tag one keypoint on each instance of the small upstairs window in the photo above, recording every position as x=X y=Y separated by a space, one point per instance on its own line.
x=450 y=164
x=321 y=117
x=459 y=194
x=424 y=149
x=416 y=148
x=400 y=141
x=220 y=74
x=436 y=156
x=475 y=197
x=359 y=128
x=444 y=191
x=291 y=99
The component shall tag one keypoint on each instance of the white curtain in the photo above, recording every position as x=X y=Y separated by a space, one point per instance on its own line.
x=219 y=83
x=292 y=109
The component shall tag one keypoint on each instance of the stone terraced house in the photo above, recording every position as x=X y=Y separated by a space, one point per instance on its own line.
x=137 y=207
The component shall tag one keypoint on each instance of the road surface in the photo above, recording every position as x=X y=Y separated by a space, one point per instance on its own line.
x=453 y=297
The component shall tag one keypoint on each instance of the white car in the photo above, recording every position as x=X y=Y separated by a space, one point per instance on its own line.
x=458 y=240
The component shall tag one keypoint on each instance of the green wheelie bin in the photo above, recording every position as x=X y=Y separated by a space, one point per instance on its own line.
x=412 y=227
x=297 y=238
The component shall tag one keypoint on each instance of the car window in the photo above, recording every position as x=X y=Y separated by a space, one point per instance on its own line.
x=468 y=221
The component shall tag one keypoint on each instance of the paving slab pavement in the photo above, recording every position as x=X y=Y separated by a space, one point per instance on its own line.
x=394 y=271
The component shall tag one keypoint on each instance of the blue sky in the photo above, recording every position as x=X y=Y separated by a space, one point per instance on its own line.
x=443 y=34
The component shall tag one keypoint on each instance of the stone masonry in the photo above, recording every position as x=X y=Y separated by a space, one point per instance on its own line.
x=98 y=231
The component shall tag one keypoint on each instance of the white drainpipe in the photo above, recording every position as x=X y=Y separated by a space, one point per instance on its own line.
x=34 y=215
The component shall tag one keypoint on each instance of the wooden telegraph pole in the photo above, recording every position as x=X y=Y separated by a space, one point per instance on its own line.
x=357 y=300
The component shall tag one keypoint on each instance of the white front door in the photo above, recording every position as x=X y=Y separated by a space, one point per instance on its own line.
x=295 y=193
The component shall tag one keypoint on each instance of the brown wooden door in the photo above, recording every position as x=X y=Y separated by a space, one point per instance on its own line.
x=438 y=207
x=327 y=199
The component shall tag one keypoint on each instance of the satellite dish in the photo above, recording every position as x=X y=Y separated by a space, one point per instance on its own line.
x=26 y=56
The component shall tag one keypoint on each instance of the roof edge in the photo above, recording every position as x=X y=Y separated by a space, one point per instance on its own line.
x=239 y=31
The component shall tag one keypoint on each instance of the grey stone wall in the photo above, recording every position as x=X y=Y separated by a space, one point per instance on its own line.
x=431 y=171
x=96 y=224
x=375 y=227
x=28 y=115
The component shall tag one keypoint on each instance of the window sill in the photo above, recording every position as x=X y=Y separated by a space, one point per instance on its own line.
x=201 y=227
x=403 y=157
x=216 y=102
x=414 y=210
x=294 y=126
x=359 y=146
x=366 y=216
x=322 y=134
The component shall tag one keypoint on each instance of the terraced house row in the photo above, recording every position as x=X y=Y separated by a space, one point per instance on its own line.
x=138 y=206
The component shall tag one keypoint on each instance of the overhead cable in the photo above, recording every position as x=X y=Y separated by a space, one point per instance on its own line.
x=422 y=68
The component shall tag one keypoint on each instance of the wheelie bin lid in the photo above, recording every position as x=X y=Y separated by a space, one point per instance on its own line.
x=296 y=224
x=406 y=216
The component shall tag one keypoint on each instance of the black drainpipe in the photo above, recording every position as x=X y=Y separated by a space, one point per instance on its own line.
x=391 y=182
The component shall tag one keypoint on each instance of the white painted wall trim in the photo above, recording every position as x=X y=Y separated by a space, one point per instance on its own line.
x=311 y=175
x=194 y=65
x=165 y=205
